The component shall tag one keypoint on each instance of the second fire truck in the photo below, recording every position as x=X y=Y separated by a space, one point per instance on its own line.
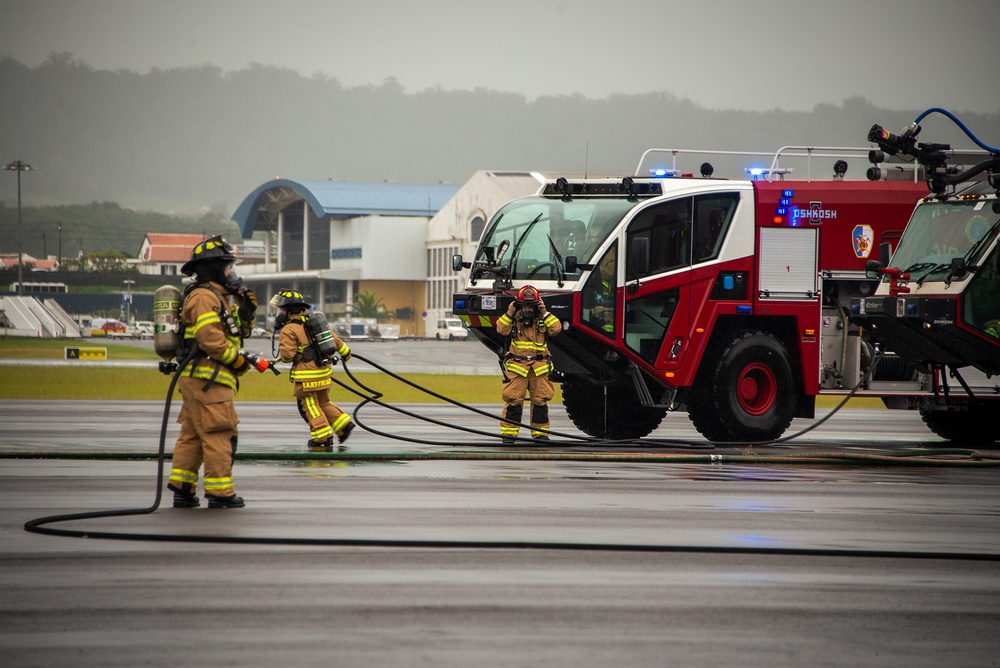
x=728 y=298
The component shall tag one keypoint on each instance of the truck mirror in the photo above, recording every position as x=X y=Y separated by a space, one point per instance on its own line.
x=958 y=268
x=873 y=269
x=638 y=257
x=571 y=265
x=456 y=263
x=884 y=253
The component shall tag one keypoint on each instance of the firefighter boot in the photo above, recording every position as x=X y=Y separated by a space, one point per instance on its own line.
x=320 y=446
x=225 y=501
x=345 y=433
x=184 y=496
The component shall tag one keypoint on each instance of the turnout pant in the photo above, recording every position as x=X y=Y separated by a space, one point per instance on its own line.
x=540 y=392
x=324 y=418
x=208 y=435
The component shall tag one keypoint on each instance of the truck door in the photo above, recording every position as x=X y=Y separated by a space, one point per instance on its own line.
x=658 y=282
x=671 y=248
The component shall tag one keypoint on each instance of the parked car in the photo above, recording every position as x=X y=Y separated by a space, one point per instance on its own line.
x=143 y=329
x=107 y=327
x=451 y=329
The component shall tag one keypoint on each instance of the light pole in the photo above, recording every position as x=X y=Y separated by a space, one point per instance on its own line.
x=127 y=298
x=19 y=166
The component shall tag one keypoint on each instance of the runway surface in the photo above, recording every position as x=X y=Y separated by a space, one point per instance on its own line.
x=706 y=562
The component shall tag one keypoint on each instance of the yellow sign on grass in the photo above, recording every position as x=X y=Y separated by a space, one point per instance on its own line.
x=86 y=353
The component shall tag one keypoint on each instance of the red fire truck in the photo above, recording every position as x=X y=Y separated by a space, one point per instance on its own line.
x=727 y=297
x=938 y=305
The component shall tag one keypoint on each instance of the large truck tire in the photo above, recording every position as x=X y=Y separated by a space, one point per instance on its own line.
x=748 y=395
x=972 y=427
x=614 y=414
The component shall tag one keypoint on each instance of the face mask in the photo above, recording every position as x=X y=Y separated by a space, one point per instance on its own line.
x=232 y=281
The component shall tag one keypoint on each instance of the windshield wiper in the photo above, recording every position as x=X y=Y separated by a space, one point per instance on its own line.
x=517 y=246
x=560 y=273
x=917 y=266
x=969 y=254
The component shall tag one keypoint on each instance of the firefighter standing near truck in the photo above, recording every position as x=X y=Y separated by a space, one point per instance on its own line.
x=527 y=363
x=216 y=312
x=311 y=371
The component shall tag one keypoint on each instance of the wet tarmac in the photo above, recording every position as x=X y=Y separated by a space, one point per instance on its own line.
x=462 y=551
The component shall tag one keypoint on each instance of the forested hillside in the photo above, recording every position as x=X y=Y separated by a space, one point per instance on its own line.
x=201 y=137
x=80 y=229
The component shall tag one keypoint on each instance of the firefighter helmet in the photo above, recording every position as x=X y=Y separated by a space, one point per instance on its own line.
x=527 y=295
x=287 y=299
x=215 y=248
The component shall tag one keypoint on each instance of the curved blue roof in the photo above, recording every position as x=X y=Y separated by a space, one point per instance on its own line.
x=343 y=199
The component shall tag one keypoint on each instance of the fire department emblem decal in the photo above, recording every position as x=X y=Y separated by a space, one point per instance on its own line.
x=862 y=237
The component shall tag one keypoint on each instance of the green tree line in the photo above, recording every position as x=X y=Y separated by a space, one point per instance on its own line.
x=80 y=230
x=190 y=137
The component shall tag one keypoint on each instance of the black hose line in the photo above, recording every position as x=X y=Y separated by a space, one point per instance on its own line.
x=38 y=525
x=35 y=525
x=374 y=397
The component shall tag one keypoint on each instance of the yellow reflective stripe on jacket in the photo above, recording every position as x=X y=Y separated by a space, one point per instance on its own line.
x=514 y=367
x=542 y=368
x=233 y=347
x=206 y=372
x=312 y=376
x=550 y=320
x=505 y=320
x=207 y=318
x=529 y=346
x=343 y=349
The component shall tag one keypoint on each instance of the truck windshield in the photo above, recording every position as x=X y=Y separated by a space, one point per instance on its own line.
x=940 y=231
x=541 y=233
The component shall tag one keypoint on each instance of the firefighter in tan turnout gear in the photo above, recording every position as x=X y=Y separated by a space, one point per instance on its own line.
x=311 y=370
x=217 y=310
x=527 y=363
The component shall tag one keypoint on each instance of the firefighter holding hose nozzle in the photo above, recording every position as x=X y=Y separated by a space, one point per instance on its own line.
x=310 y=345
x=527 y=363
x=216 y=312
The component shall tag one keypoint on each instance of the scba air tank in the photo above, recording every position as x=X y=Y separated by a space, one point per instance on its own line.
x=166 y=317
x=321 y=334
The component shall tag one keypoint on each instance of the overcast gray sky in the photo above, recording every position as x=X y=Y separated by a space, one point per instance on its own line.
x=721 y=54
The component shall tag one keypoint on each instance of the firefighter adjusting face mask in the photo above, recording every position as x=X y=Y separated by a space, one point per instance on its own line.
x=231 y=279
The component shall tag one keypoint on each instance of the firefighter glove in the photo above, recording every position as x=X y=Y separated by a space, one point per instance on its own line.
x=248 y=308
x=241 y=365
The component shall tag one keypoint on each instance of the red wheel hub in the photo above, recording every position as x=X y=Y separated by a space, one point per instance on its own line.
x=756 y=389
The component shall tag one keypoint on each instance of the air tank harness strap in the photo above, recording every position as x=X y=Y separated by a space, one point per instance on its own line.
x=528 y=358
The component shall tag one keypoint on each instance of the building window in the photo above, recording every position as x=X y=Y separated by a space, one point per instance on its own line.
x=476 y=228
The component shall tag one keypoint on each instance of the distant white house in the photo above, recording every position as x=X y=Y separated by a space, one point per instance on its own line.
x=162 y=253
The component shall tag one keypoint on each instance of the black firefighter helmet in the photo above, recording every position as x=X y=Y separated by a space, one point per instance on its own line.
x=290 y=300
x=215 y=248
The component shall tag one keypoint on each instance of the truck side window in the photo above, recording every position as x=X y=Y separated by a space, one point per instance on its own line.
x=712 y=216
x=597 y=299
x=668 y=228
x=981 y=301
x=646 y=322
